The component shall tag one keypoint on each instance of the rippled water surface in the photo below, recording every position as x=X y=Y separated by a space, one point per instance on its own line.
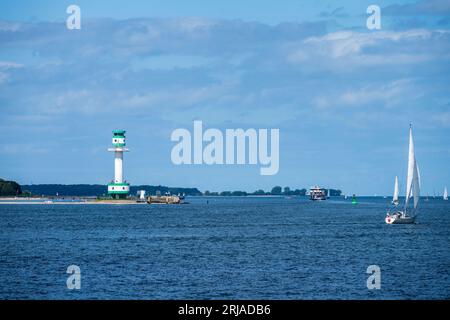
x=224 y=248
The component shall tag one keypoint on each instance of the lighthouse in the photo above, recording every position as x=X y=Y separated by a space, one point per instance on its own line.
x=118 y=188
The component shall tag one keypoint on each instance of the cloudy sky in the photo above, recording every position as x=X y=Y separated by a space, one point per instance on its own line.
x=342 y=95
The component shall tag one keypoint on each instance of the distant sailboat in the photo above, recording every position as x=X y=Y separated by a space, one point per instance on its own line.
x=395 y=197
x=445 y=197
x=412 y=189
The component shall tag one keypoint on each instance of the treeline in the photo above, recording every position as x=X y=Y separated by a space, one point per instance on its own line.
x=9 y=188
x=276 y=191
x=91 y=190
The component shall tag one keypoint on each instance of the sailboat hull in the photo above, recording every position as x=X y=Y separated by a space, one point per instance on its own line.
x=399 y=218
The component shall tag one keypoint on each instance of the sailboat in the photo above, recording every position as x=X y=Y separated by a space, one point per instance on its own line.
x=445 y=197
x=412 y=190
x=395 y=197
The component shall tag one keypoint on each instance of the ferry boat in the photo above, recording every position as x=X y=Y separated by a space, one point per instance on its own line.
x=317 y=193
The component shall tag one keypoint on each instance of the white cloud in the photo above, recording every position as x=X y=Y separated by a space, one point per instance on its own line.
x=370 y=48
x=21 y=148
x=10 y=26
x=178 y=69
x=383 y=95
x=9 y=65
x=5 y=66
x=193 y=24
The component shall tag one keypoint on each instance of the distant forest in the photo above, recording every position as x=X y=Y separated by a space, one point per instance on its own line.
x=276 y=191
x=11 y=188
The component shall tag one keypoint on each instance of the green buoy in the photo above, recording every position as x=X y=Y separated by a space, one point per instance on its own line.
x=354 y=200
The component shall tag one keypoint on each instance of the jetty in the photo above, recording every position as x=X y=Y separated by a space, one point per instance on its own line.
x=164 y=199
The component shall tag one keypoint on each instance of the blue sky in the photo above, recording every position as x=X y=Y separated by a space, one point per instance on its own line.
x=341 y=95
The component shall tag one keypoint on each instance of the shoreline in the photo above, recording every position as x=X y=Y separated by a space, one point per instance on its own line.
x=73 y=202
x=49 y=201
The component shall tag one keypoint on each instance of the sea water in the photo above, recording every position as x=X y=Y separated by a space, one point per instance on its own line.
x=224 y=248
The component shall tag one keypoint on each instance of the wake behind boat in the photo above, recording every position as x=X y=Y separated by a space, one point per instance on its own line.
x=412 y=190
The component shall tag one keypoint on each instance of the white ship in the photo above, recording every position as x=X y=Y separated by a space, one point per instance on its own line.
x=317 y=193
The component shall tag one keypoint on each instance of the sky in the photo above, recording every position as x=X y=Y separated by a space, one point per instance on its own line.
x=342 y=96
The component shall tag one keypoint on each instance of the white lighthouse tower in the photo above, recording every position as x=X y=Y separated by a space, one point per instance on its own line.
x=118 y=188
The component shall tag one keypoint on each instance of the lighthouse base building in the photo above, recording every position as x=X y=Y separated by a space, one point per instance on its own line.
x=118 y=188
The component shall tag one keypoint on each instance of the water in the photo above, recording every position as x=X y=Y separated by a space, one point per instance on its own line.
x=231 y=248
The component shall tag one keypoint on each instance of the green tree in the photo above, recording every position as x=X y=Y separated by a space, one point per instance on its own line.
x=9 y=188
x=299 y=192
x=259 y=192
x=239 y=193
x=276 y=190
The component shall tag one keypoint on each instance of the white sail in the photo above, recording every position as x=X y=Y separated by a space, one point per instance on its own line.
x=445 y=194
x=395 y=197
x=416 y=184
x=413 y=178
